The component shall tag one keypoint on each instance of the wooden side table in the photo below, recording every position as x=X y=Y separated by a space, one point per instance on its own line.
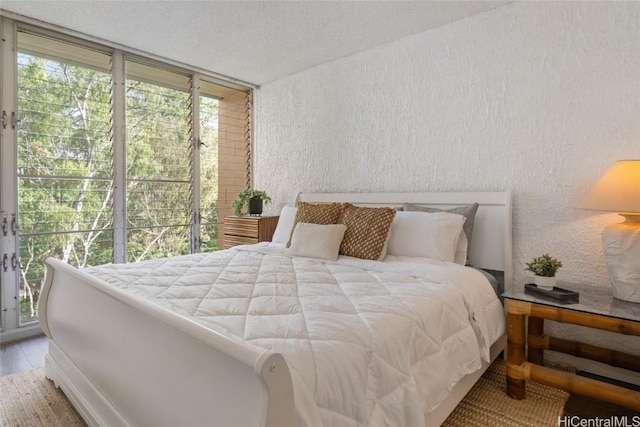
x=247 y=230
x=597 y=309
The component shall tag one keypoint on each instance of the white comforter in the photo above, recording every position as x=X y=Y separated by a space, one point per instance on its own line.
x=368 y=343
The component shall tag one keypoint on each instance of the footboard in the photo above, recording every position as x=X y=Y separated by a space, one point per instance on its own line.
x=123 y=361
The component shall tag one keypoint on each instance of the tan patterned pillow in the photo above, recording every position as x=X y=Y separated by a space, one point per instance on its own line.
x=367 y=231
x=321 y=213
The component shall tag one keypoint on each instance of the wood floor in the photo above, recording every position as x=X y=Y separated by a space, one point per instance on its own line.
x=29 y=354
x=586 y=407
x=23 y=355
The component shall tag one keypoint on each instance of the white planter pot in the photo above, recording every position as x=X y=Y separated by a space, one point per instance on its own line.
x=543 y=282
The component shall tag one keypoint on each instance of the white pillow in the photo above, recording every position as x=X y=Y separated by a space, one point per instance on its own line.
x=461 y=251
x=317 y=241
x=424 y=234
x=285 y=224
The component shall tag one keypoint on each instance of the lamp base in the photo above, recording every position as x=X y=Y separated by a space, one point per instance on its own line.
x=621 y=244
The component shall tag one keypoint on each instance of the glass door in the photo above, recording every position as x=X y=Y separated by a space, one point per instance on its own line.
x=63 y=160
x=107 y=157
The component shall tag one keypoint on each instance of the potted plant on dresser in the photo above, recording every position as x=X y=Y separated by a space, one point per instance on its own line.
x=544 y=268
x=253 y=199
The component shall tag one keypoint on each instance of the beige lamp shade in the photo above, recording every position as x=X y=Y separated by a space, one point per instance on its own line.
x=618 y=190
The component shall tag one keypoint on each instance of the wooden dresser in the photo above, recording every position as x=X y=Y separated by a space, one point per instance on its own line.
x=247 y=230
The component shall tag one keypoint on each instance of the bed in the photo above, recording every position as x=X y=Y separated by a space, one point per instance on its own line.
x=141 y=345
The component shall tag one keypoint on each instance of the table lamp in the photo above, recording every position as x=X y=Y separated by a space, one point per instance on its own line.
x=619 y=191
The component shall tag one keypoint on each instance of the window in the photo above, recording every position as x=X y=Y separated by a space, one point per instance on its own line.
x=110 y=158
x=158 y=174
x=209 y=120
x=64 y=162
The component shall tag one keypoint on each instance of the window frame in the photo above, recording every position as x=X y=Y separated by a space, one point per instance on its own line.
x=10 y=25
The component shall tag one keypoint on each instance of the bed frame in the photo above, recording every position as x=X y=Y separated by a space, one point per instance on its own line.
x=117 y=375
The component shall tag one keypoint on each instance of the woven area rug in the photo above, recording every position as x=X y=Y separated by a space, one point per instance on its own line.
x=28 y=399
x=487 y=403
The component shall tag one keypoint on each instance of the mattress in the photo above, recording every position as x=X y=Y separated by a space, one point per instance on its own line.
x=367 y=342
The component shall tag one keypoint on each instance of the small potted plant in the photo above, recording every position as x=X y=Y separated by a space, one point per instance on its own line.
x=253 y=199
x=544 y=268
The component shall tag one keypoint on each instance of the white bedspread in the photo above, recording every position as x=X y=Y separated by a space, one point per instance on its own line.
x=368 y=343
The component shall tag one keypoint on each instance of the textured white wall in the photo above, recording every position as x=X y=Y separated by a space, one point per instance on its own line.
x=539 y=97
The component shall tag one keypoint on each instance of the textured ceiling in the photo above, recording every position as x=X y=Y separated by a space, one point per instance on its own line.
x=253 y=41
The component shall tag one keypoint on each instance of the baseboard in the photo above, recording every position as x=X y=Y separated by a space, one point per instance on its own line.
x=594 y=367
x=20 y=334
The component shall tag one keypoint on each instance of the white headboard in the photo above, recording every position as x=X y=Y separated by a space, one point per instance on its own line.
x=491 y=242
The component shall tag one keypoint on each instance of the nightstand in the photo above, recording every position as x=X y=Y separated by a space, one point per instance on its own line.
x=247 y=230
x=596 y=309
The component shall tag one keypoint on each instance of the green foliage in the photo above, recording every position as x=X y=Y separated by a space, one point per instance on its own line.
x=209 y=246
x=544 y=265
x=65 y=170
x=244 y=197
